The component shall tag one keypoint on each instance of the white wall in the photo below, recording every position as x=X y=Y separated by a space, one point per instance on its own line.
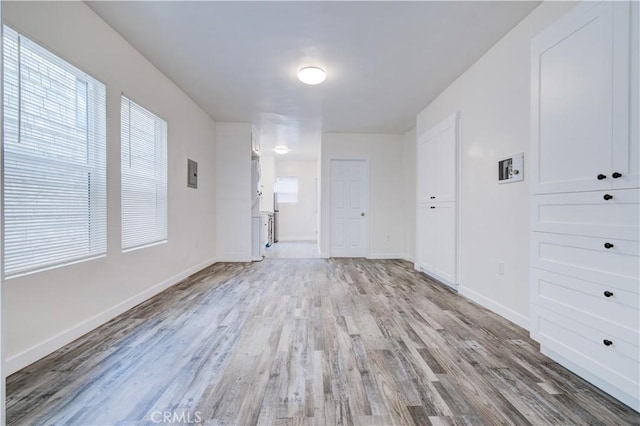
x=409 y=192
x=297 y=222
x=493 y=97
x=386 y=210
x=46 y=310
x=234 y=192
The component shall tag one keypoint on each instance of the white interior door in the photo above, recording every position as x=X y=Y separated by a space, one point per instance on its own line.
x=349 y=208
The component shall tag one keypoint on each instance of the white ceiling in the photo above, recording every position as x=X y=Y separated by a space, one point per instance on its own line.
x=385 y=60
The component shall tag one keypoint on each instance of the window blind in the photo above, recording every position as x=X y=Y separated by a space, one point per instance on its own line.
x=54 y=166
x=144 y=176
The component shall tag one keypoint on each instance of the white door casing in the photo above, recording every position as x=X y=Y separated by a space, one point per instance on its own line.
x=349 y=206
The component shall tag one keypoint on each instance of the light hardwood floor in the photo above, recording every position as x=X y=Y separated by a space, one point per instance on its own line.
x=295 y=342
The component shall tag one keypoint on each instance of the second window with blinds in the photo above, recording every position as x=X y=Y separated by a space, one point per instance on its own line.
x=144 y=177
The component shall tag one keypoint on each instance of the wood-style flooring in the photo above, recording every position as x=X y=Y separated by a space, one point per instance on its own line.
x=314 y=341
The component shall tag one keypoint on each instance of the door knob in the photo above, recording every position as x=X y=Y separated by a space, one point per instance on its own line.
x=616 y=175
x=362 y=214
x=608 y=245
x=607 y=197
x=601 y=176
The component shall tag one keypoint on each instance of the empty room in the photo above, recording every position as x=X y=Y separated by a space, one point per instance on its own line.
x=320 y=213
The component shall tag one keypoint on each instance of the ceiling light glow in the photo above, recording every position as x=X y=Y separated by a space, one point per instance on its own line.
x=281 y=149
x=312 y=75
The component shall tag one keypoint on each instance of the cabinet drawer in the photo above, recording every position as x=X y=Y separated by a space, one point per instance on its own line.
x=586 y=304
x=616 y=364
x=587 y=258
x=588 y=213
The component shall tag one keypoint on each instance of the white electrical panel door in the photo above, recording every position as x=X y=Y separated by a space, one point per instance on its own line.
x=577 y=118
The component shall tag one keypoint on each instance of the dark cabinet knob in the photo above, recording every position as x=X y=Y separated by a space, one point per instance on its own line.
x=607 y=197
x=616 y=175
x=607 y=342
x=601 y=176
x=608 y=245
x=608 y=294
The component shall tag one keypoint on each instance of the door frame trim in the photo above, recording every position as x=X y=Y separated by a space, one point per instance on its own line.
x=367 y=203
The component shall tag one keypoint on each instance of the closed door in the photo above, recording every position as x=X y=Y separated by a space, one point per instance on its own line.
x=349 y=208
x=580 y=101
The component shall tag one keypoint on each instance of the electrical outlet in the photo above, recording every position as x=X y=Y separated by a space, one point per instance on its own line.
x=500 y=267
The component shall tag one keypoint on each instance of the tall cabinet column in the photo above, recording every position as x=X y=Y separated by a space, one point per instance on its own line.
x=585 y=264
x=437 y=229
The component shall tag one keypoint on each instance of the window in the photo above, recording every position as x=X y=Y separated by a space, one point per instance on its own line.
x=54 y=167
x=287 y=190
x=144 y=176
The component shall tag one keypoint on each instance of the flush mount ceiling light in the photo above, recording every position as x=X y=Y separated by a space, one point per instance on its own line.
x=312 y=75
x=281 y=149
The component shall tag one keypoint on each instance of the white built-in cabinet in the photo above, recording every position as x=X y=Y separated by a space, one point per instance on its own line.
x=585 y=215
x=234 y=192
x=436 y=237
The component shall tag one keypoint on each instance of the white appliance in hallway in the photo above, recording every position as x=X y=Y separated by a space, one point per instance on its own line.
x=349 y=223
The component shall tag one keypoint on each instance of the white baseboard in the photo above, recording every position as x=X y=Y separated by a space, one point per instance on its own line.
x=494 y=306
x=54 y=343
x=385 y=256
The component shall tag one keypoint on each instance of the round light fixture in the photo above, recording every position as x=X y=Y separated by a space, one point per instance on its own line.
x=281 y=149
x=312 y=75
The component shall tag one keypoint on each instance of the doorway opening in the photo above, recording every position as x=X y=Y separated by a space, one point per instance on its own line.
x=290 y=204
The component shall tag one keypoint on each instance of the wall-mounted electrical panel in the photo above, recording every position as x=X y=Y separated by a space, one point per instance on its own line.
x=511 y=169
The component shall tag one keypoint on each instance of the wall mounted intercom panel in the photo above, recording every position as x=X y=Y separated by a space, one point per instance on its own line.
x=511 y=169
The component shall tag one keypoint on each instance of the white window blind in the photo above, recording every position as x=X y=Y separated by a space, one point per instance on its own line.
x=144 y=176
x=286 y=189
x=54 y=166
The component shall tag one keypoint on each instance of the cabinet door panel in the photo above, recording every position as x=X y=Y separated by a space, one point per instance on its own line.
x=626 y=129
x=422 y=173
x=426 y=237
x=573 y=104
x=445 y=216
x=445 y=154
